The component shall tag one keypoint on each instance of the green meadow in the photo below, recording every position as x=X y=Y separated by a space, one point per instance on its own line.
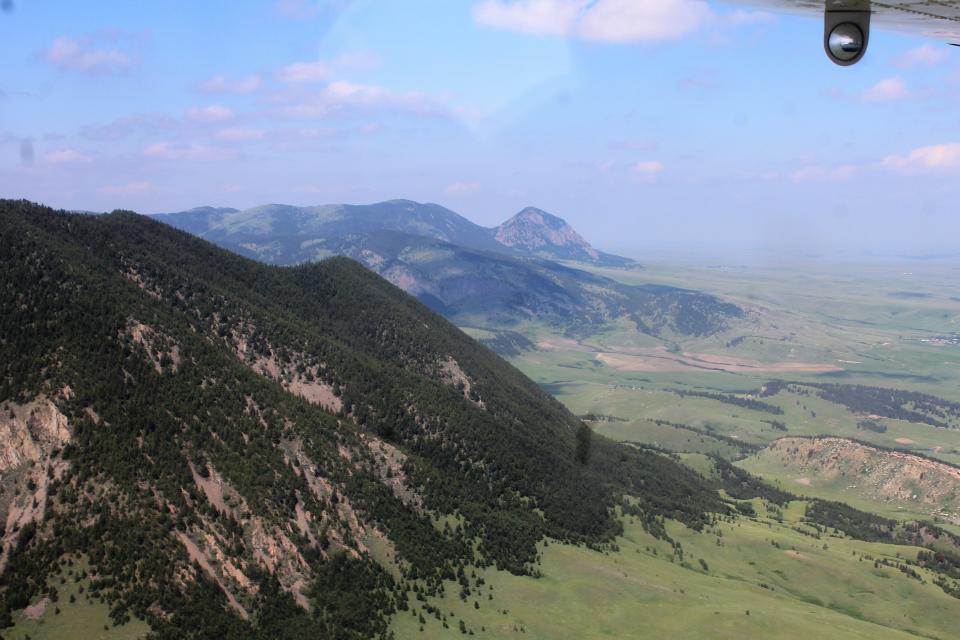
x=867 y=324
x=75 y=615
x=759 y=578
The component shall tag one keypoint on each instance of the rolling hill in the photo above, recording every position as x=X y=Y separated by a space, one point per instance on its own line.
x=858 y=472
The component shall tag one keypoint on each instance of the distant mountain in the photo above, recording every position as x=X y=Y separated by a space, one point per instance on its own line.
x=460 y=269
x=486 y=289
x=538 y=233
x=284 y=234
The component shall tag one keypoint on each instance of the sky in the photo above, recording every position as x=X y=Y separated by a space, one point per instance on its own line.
x=647 y=124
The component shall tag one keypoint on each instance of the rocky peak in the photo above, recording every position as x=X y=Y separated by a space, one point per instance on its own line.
x=541 y=233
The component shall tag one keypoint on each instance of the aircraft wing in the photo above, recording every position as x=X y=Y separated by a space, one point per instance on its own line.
x=939 y=19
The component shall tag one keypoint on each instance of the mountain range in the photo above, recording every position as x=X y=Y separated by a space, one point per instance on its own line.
x=284 y=234
x=489 y=278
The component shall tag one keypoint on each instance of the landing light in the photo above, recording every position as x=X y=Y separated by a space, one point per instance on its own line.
x=846 y=41
x=845 y=35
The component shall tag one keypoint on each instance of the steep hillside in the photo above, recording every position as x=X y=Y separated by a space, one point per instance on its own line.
x=544 y=235
x=234 y=450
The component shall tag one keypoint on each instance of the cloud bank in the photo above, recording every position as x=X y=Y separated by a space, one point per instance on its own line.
x=611 y=21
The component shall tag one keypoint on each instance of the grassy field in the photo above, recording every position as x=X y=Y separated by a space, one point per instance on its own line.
x=664 y=436
x=763 y=579
x=74 y=616
x=802 y=416
x=869 y=318
x=868 y=322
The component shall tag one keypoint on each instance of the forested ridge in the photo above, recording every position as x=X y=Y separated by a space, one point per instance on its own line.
x=886 y=402
x=239 y=437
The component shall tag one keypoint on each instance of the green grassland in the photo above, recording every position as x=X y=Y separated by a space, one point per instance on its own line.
x=76 y=614
x=664 y=436
x=802 y=416
x=763 y=579
x=870 y=316
x=870 y=320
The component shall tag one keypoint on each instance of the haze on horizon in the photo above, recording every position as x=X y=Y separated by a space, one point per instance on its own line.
x=671 y=124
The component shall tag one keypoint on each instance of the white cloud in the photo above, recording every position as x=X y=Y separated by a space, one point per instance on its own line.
x=936 y=157
x=741 y=18
x=539 y=17
x=316 y=133
x=303 y=72
x=617 y=21
x=462 y=187
x=127 y=189
x=221 y=84
x=887 y=90
x=182 y=151
x=239 y=134
x=297 y=9
x=67 y=156
x=925 y=55
x=121 y=128
x=321 y=70
x=74 y=55
x=357 y=61
x=648 y=168
x=212 y=113
x=819 y=173
x=641 y=20
x=341 y=95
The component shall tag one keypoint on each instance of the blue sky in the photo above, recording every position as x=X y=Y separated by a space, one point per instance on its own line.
x=645 y=123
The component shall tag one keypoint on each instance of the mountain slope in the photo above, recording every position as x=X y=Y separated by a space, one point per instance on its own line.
x=282 y=234
x=459 y=268
x=237 y=450
x=472 y=275
x=494 y=290
x=538 y=233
